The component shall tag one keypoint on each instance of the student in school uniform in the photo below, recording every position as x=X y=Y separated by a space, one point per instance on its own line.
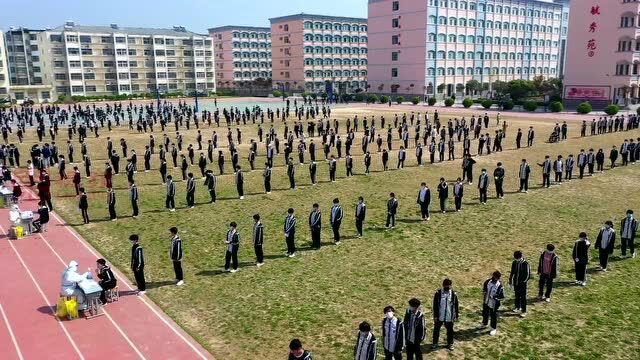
x=312 y=172
x=191 y=191
x=443 y=194
x=290 y=233
x=83 y=205
x=523 y=175
x=498 y=178
x=76 y=179
x=483 y=186
x=258 y=240
x=336 y=220
x=233 y=245
x=445 y=312
x=546 y=171
x=107 y=280
x=518 y=280
x=361 y=213
x=458 y=193
x=493 y=293
x=175 y=253
x=580 y=256
x=547 y=270
x=366 y=343
x=111 y=203
x=628 y=228
x=210 y=183
x=137 y=264
x=424 y=201
x=414 y=329
x=393 y=339
x=170 y=201
x=605 y=243
x=239 y=177
x=266 y=174
x=392 y=210
x=315 y=224
x=297 y=352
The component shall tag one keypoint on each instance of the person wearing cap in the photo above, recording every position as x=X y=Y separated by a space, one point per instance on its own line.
x=137 y=263
x=547 y=270
x=628 y=228
x=605 y=244
x=366 y=343
x=393 y=339
x=297 y=352
x=580 y=257
x=445 y=312
x=69 y=284
x=493 y=293
x=414 y=329
x=233 y=245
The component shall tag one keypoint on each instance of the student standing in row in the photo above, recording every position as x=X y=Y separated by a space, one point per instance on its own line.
x=414 y=329
x=605 y=244
x=581 y=257
x=498 y=177
x=170 y=202
x=233 y=245
x=518 y=279
x=393 y=339
x=493 y=293
x=445 y=312
x=483 y=186
x=133 y=197
x=258 y=240
x=111 y=203
x=523 y=175
x=290 y=233
x=336 y=220
x=628 y=228
x=366 y=343
x=361 y=213
x=83 y=205
x=443 y=194
x=547 y=270
x=392 y=210
x=175 y=253
x=424 y=201
x=315 y=224
x=458 y=193
x=137 y=264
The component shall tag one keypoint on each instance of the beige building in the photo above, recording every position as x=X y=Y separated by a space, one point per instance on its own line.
x=99 y=60
x=316 y=53
x=4 y=73
x=26 y=77
x=242 y=55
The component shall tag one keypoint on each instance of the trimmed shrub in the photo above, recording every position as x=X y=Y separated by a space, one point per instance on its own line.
x=584 y=108
x=487 y=104
x=555 y=98
x=372 y=98
x=530 y=106
x=556 y=106
x=359 y=97
x=432 y=101
x=384 y=99
x=400 y=99
x=467 y=102
x=449 y=102
x=508 y=105
x=415 y=100
x=612 y=109
x=277 y=93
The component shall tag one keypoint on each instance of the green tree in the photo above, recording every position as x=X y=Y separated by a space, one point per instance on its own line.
x=473 y=86
x=519 y=88
x=500 y=87
x=459 y=88
x=467 y=102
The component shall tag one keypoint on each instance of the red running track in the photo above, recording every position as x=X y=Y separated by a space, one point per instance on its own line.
x=132 y=328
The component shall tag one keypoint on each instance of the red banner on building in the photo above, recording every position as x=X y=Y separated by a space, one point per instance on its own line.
x=587 y=93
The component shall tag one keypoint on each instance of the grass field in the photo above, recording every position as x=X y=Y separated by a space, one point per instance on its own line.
x=321 y=296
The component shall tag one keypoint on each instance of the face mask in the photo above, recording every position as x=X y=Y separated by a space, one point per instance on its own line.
x=413 y=309
x=390 y=314
x=630 y=216
x=607 y=227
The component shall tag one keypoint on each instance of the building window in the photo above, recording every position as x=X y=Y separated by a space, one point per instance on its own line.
x=395 y=39
x=394 y=72
x=394 y=56
x=79 y=88
x=395 y=23
x=395 y=6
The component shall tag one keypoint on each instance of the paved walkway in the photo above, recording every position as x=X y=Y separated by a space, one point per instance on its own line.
x=132 y=328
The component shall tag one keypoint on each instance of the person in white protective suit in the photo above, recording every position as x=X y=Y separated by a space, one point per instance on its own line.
x=70 y=280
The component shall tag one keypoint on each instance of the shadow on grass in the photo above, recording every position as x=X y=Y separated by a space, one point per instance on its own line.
x=157 y=284
x=409 y=221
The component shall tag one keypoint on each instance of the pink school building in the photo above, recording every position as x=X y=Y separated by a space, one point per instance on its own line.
x=603 y=60
x=316 y=53
x=434 y=47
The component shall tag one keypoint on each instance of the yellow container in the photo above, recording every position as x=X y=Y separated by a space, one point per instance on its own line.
x=19 y=232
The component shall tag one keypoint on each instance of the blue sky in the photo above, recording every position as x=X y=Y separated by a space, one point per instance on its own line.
x=195 y=15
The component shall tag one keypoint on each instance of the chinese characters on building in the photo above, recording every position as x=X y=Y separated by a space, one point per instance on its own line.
x=592 y=46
